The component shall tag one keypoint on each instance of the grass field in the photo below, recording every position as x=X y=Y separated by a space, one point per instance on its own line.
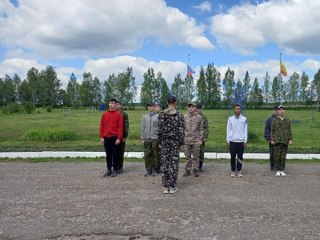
x=85 y=124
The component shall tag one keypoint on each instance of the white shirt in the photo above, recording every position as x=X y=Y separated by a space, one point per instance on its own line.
x=237 y=129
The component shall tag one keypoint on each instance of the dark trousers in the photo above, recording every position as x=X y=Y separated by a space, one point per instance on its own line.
x=236 y=151
x=151 y=150
x=280 y=153
x=121 y=149
x=271 y=151
x=111 y=153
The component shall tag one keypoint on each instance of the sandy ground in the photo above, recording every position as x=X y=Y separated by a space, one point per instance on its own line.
x=71 y=201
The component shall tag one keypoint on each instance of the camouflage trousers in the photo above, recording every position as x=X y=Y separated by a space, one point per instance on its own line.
x=202 y=149
x=170 y=163
x=122 y=147
x=192 y=152
x=151 y=149
x=280 y=153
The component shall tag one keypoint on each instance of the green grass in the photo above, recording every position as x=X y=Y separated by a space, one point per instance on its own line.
x=85 y=126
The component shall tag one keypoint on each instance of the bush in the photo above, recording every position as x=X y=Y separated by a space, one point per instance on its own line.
x=14 y=108
x=253 y=137
x=49 y=135
x=5 y=110
x=49 y=109
x=28 y=107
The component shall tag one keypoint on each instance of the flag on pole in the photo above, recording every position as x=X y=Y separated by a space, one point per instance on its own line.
x=283 y=69
x=189 y=71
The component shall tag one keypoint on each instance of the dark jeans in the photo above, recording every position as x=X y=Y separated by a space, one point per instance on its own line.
x=112 y=155
x=236 y=151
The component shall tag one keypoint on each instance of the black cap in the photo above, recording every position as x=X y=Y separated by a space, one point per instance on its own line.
x=113 y=100
x=172 y=99
x=157 y=103
x=275 y=107
x=150 y=104
x=199 y=105
x=280 y=107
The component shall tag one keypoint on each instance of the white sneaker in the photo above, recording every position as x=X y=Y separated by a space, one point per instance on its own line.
x=278 y=174
x=239 y=174
x=174 y=190
x=283 y=174
x=233 y=174
x=166 y=190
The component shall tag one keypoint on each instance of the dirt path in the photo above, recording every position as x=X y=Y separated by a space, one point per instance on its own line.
x=71 y=201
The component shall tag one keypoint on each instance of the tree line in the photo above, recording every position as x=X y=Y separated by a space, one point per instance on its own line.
x=212 y=89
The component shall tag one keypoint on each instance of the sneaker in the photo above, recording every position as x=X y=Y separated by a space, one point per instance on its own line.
x=174 y=190
x=148 y=174
x=239 y=174
x=278 y=174
x=187 y=173
x=166 y=190
x=282 y=174
x=233 y=174
x=120 y=170
x=107 y=173
x=196 y=172
x=113 y=174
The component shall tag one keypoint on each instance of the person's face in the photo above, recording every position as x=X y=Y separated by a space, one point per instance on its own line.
x=191 y=109
x=112 y=105
x=118 y=106
x=280 y=112
x=157 y=108
x=150 y=108
x=237 y=110
x=198 y=110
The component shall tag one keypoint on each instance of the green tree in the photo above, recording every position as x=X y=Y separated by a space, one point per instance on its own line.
x=126 y=87
x=316 y=88
x=267 y=88
x=177 y=88
x=246 y=87
x=72 y=92
x=50 y=85
x=276 y=89
x=293 y=88
x=256 y=98
x=87 y=95
x=7 y=92
x=304 y=88
x=212 y=79
x=148 y=92
x=162 y=89
x=202 y=87
x=228 y=85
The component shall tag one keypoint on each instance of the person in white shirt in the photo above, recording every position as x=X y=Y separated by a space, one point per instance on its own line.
x=237 y=134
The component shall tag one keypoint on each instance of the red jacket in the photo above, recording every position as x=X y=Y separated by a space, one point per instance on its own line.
x=111 y=124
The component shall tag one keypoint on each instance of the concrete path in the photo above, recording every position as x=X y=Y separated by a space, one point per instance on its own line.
x=212 y=155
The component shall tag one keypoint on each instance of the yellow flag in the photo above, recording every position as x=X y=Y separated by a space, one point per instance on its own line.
x=283 y=69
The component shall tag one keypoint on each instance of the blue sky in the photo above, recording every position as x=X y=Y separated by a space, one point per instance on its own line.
x=105 y=37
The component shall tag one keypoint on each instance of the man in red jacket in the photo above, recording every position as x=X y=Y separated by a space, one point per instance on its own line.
x=111 y=130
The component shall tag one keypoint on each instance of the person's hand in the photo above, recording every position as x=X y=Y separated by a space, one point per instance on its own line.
x=245 y=145
x=102 y=141
x=272 y=142
x=200 y=142
x=228 y=145
x=160 y=146
x=118 y=141
x=142 y=141
x=290 y=142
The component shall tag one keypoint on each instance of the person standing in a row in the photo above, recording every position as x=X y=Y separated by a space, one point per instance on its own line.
x=237 y=134
x=171 y=138
x=111 y=131
x=149 y=139
x=281 y=137
x=267 y=133
x=206 y=135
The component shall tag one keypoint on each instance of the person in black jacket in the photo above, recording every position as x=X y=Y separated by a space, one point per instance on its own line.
x=267 y=132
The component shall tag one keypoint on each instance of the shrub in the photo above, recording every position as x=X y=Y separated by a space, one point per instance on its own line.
x=14 y=108
x=28 y=107
x=49 y=135
x=5 y=110
x=253 y=137
x=49 y=109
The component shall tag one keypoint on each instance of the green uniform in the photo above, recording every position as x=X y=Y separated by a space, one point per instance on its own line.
x=122 y=145
x=281 y=134
x=206 y=135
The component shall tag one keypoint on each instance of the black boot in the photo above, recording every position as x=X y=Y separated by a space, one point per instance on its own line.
x=200 y=166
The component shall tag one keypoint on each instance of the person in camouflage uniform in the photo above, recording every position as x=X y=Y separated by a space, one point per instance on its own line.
x=149 y=138
x=206 y=135
x=194 y=135
x=122 y=145
x=171 y=138
x=281 y=137
x=157 y=109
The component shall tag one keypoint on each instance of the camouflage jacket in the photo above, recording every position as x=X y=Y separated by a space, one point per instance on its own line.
x=281 y=130
x=194 y=131
x=171 y=126
x=205 y=126
x=125 y=124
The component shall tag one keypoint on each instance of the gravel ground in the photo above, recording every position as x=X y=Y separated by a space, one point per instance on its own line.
x=71 y=201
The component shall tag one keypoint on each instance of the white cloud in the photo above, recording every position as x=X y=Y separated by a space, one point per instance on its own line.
x=87 y=28
x=204 y=7
x=291 y=24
